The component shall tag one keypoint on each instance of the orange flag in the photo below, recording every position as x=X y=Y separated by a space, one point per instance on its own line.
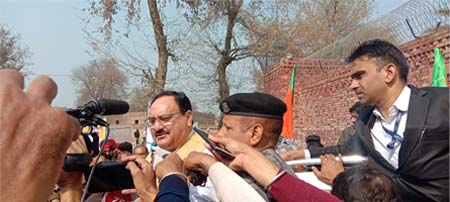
x=288 y=122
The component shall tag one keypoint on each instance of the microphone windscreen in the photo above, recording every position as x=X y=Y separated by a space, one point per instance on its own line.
x=111 y=107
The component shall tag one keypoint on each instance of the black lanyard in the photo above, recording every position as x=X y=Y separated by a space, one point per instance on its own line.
x=395 y=137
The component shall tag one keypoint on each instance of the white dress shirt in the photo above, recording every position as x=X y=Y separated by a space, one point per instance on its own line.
x=380 y=138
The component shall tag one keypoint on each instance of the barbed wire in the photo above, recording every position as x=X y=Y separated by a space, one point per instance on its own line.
x=411 y=20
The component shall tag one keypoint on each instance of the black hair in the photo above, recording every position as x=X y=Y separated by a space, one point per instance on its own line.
x=357 y=107
x=364 y=183
x=126 y=146
x=383 y=50
x=313 y=141
x=181 y=99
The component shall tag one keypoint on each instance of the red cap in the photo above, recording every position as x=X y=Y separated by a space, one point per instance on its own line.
x=111 y=144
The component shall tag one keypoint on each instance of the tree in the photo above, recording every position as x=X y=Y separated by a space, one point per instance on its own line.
x=12 y=54
x=99 y=79
x=301 y=28
x=324 y=21
x=108 y=11
x=139 y=99
x=226 y=44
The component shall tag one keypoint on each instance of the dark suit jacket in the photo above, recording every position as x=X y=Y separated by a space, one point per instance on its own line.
x=423 y=172
x=172 y=189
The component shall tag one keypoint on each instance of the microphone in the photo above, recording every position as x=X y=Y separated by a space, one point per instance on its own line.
x=100 y=107
x=107 y=107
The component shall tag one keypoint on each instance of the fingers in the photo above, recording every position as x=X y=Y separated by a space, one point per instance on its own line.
x=141 y=161
x=323 y=159
x=11 y=78
x=327 y=158
x=130 y=158
x=134 y=169
x=217 y=139
x=72 y=127
x=340 y=158
x=330 y=156
x=128 y=191
x=173 y=157
x=207 y=146
x=199 y=161
x=316 y=171
x=43 y=87
x=229 y=144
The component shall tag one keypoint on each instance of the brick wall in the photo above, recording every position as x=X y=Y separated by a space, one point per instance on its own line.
x=322 y=97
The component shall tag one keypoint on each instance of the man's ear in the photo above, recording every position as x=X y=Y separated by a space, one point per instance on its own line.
x=256 y=134
x=189 y=117
x=391 y=72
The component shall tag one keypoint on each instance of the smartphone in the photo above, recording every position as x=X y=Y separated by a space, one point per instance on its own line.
x=109 y=176
x=216 y=148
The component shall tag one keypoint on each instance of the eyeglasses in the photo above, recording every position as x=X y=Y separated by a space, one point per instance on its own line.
x=164 y=119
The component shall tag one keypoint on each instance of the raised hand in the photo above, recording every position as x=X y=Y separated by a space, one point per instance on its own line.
x=330 y=168
x=143 y=178
x=33 y=137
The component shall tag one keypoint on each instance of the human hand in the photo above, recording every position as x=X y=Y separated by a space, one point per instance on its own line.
x=171 y=163
x=247 y=159
x=143 y=178
x=240 y=150
x=293 y=155
x=199 y=161
x=32 y=147
x=330 y=168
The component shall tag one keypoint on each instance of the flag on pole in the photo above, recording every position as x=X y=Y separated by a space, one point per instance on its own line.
x=288 y=123
x=438 y=75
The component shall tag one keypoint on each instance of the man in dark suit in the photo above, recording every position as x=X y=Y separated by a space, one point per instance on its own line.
x=406 y=131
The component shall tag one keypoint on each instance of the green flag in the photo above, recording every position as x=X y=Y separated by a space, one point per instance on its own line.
x=439 y=75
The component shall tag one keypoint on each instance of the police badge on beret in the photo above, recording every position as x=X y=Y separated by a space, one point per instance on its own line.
x=224 y=107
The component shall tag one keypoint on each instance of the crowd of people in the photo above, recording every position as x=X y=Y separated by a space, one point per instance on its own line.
x=403 y=131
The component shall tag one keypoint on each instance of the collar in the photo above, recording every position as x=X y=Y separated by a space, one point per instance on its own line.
x=400 y=104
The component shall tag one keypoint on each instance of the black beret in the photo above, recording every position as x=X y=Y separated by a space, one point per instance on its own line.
x=254 y=105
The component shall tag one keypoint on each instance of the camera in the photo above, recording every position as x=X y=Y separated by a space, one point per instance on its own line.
x=89 y=115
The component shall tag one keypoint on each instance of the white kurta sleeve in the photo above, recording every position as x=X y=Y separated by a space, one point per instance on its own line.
x=230 y=187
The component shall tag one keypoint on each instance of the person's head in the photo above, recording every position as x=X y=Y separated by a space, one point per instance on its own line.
x=364 y=183
x=253 y=118
x=141 y=150
x=170 y=119
x=124 y=149
x=376 y=67
x=108 y=149
x=354 y=111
